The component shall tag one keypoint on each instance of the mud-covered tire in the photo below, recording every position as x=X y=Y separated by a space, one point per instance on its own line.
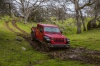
x=32 y=36
x=68 y=47
x=45 y=46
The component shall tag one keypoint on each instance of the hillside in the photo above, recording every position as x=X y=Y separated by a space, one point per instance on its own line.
x=16 y=50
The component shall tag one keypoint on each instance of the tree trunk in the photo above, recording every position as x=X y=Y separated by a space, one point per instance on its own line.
x=25 y=19
x=94 y=25
x=78 y=24
x=77 y=17
x=84 y=27
x=89 y=25
x=99 y=22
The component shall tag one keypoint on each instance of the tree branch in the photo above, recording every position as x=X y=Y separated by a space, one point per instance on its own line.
x=87 y=4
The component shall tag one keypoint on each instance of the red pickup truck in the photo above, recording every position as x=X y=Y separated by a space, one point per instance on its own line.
x=50 y=35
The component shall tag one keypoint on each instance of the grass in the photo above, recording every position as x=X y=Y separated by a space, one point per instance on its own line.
x=89 y=39
x=11 y=53
x=26 y=27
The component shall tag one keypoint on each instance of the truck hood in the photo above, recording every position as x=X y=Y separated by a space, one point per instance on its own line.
x=55 y=35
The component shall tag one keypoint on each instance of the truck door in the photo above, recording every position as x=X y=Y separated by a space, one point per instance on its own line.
x=41 y=33
x=37 y=32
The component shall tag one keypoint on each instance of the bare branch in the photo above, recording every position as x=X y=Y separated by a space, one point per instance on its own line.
x=87 y=4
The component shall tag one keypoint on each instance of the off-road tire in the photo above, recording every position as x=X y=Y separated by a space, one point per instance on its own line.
x=46 y=48
x=32 y=36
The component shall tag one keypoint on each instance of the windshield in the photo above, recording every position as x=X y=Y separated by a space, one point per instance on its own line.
x=51 y=29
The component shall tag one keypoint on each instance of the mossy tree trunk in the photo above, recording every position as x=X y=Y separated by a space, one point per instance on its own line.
x=77 y=16
x=84 y=27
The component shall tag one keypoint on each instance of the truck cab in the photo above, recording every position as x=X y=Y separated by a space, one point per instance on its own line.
x=50 y=34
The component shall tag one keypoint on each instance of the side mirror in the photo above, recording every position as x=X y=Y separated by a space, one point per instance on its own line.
x=41 y=30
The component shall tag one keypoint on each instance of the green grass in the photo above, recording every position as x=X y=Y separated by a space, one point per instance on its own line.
x=26 y=27
x=11 y=53
x=11 y=26
x=89 y=39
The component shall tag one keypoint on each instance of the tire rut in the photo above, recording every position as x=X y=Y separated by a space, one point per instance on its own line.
x=22 y=34
x=12 y=30
x=14 y=24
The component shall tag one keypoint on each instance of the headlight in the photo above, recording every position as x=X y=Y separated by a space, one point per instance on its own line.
x=47 y=38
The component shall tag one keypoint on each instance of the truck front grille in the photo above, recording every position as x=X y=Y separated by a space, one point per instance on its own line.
x=58 y=40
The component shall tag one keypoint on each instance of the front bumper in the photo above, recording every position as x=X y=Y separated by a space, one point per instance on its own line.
x=59 y=45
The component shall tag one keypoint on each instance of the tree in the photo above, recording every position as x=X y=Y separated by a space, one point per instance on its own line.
x=92 y=23
x=38 y=15
x=83 y=22
x=5 y=7
x=26 y=7
x=57 y=9
x=98 y=19
x=78 y=9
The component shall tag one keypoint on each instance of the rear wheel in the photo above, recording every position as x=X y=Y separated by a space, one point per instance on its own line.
x=32 y=36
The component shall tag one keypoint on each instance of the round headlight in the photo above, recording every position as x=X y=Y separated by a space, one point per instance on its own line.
x=47 y=38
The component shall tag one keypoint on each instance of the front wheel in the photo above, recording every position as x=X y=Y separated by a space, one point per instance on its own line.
x=68 y=47
x=32 y=36
x=46 y=47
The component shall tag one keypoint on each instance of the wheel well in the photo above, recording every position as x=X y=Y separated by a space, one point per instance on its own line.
x=45 y=39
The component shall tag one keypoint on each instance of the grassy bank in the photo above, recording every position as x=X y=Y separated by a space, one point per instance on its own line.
x=13 y=54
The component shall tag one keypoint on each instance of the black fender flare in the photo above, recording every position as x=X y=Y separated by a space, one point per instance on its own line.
x=46 y=39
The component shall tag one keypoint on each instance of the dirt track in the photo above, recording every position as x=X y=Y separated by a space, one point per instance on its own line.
x=14 y=24
x=79 y=54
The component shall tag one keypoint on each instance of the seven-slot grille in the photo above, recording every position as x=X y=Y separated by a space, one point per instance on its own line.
x=58 y=39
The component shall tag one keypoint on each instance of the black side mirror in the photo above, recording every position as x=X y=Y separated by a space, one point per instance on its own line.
x=41 y=30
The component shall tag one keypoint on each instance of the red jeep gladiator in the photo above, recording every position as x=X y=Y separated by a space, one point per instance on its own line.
x=50 y=35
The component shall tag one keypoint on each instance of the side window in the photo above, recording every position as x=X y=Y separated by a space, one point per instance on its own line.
x=41 y=29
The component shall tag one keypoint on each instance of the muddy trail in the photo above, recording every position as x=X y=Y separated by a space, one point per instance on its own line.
x=23 y=34
x=6 y=24
x=78 y=54
x=15 y=25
